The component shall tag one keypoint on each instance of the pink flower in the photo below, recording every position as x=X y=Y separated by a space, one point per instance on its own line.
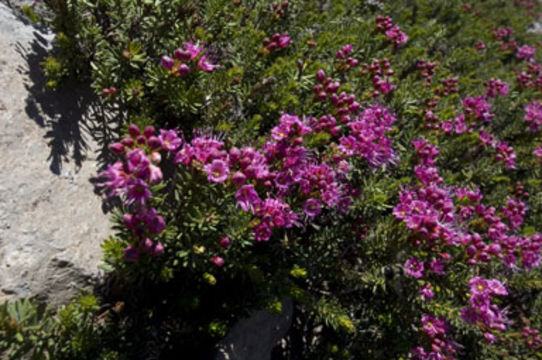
x=526 y=52
x=478 y=285
x=170 y=140
x=426 y=293
x=396 y=36
x=149 y=131
x=239 y=178
x=414 y=267
x=347 y=49
x=205 y=65
x=217 y=171
x=496 y=287
x=312 y=207
x=284 y=41
x=137 y=191
x=437 y=266
x=193 y=49
x=383 y=22
x=433 y=326
x=166 y=62
x=137 y=161
x=247 y=197
x=158 y=249
x=262 y=232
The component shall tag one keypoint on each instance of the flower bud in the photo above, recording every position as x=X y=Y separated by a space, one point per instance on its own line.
x=166 y=62
x=133 y=130
x=183 y=70
x=225 y=242
x=154 y=142
x=131 y=254
x=156 y=158
x=239 y=178
x=181 y=54
x=209 y=278
x=116 y=148
x=127 y=142
x=155 y=174
x=217 y=261
x=158 y=249
x=129 y=220
x=320 y=75
x=235 y=154
x=146 y=245
x=149 y=131
x=141 y=140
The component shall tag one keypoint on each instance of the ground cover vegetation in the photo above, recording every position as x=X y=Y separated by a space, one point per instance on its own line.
x=380 y=163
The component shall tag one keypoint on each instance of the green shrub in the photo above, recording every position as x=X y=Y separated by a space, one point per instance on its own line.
x=355 y=275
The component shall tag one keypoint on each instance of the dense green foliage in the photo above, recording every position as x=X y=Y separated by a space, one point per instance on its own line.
x=344 y=270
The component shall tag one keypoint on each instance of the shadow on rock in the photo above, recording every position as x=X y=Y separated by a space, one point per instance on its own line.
x=78 y=124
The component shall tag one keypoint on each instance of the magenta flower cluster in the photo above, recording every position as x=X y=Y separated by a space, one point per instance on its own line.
x=442 y=347
x=496 y=87
x=431 y=212
x=381 y=71
x=503 y=33
x=531 y=337
x=477 y=112
x=441 y=223
x=395 y=36
x=530 y=76
x=277 y=42
x=526 y=52
x=281 y=8
x=426 y=69
x=182 y=57
x=481 y=311
x=284 y=167
x=131 y=179
x=533 y=115
x=478 y=108
x=364 y=132
x=343 y=54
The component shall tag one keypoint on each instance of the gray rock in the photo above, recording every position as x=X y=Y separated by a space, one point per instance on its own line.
x=37 y=6
x=51 y=222
x=255 y=337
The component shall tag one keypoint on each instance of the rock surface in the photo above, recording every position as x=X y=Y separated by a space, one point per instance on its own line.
x=51 y=222
x=255 y=337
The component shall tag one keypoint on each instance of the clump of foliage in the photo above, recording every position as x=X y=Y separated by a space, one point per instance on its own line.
x=380 y=164
x=76 y=331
